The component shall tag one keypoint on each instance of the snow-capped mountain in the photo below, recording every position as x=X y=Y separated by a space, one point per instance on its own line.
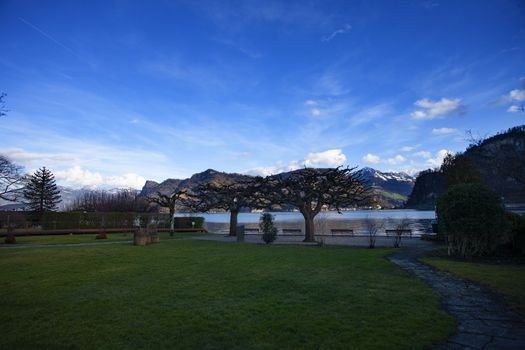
x=391 y=188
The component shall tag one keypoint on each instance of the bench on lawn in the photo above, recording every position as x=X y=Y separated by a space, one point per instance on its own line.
x=292 y=231
x=251 y=230
x=404 y=233
x=342 y=232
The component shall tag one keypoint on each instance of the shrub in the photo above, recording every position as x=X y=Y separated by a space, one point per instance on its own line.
x=472 y=218
x=185 y=222
x=268 y=228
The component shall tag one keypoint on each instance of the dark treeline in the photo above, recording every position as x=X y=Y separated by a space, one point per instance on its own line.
x=103 y=201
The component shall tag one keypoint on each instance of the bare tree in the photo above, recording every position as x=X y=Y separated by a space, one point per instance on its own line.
x=11 y=180
x=170 y=202
x=231 y=197
x=401 y=228
x=310 y=189
x=372 y=227
x=125 y=200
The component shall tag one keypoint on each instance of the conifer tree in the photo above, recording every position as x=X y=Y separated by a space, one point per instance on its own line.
x=41 y=192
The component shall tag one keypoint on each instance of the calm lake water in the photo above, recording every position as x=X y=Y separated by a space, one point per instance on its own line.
x=419 y=221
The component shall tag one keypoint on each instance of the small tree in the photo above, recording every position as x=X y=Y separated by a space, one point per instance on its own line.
x=401 y=227
x=268 y=228
x=41 y=192
x=169 y=201
x=372 y=227
x=473 y=219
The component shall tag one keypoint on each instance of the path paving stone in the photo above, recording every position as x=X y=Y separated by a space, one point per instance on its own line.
x=483 y=322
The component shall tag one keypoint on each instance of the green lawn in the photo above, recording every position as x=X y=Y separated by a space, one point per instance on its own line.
x=507 y=279
x=211 y=295
x=87 y=238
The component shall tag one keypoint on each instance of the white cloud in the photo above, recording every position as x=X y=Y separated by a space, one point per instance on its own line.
x=329 y=158
x=444 y=131
x=395 y=160
x=438 y=160
x=435 y=109
x=316 y=112
x=371 y=158
x=517 y=95
x=513 y=109
x=339 y=31
x=78 y=177
x=374 y=159
x=423 y=154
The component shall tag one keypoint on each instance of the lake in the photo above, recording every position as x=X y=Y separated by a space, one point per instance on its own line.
x=418 y=220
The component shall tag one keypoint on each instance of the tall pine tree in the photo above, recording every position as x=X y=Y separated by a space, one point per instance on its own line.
x=41 y=192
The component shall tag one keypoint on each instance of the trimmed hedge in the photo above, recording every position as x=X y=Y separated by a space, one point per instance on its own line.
x=80 y=220
x=185 y=222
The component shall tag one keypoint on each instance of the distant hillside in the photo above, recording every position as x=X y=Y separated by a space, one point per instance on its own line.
x=391 y=189
x=428 y=187
x=500 y=160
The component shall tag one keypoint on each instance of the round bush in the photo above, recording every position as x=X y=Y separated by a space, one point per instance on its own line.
x=473 y=219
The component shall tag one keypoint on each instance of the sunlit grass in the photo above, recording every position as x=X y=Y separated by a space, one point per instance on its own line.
x=196 y=294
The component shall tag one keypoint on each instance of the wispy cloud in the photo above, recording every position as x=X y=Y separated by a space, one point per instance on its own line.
x=444 y=131
x=371 y=158
x=437 y=109
x=345 y=29
x=423 y=154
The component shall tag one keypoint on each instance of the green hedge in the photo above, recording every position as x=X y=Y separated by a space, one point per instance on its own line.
x=79 y=220
x=185 y=222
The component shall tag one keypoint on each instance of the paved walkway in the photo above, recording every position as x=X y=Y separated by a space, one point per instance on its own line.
x=483 y=321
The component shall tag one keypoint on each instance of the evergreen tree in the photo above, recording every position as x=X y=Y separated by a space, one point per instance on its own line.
x=41 y=191
x=268 y=228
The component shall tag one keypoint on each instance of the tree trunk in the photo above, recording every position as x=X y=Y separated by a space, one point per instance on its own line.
x=233 y=221
x=309 y=233
x=172 y=221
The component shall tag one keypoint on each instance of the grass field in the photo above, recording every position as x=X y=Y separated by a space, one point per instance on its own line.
x=88 y=238
x=211 y=295
x=506 y=279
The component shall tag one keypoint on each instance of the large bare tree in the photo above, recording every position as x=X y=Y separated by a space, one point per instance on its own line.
x=311 y=189
x=170 y=202
x=231 y=197
x=11 y=180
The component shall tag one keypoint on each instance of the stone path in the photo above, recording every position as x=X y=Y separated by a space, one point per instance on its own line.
x=483 y=321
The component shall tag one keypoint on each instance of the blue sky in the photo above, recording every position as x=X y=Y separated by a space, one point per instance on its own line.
x=111 y=93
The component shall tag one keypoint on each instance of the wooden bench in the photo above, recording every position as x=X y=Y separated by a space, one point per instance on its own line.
x=404 y=233
x=292 y=231
x=251 y=230
x=342 y=232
